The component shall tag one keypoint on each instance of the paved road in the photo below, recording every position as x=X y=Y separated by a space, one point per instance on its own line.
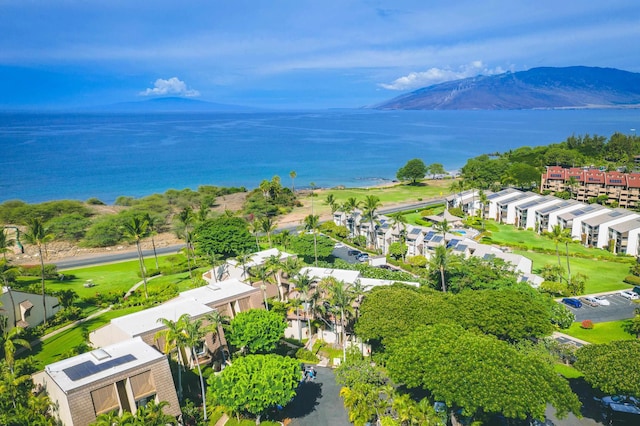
x=71 y=263
x=619 y=309
x=318 y=403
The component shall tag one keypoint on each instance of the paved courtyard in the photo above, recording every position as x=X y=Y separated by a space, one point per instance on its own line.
x=318 y=403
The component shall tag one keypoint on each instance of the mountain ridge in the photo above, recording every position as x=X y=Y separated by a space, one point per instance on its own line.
x=536 y=88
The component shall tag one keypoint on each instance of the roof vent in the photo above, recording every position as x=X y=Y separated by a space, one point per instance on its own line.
x=100 y=354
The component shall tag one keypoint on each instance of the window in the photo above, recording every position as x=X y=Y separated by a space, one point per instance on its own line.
x=142 y=402
x=105 y=399
x=142 y=385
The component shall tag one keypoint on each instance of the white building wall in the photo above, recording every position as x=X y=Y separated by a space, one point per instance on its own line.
x=603 y=231
x=493 y=204
x=576 y=227
x=511 y=209
x=553 y=216
x=531 y=212
x=632 y=242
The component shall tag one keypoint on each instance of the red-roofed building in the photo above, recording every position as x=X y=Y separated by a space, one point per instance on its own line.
x=621 y=189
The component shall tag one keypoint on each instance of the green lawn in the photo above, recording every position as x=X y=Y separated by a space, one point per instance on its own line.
x=567 y=371
x=601 y=275
x=52 y=349
x=602 y=332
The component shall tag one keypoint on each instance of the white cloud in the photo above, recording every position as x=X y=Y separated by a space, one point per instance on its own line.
x=415 y=80
x=172 y=86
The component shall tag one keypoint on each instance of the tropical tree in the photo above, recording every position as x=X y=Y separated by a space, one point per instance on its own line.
x=186 y=219
x=12 y=338
x=225 y=236
x=8 y=274
x=174 y=337
x=340 y=296
x=255 y=383
x=484 y=201
x=216 y=320
x=267 y=225
x=153 y=227
x=436 y=169
x=5 y=243
x=275 y=266
x=414 y=170
x=256 y=330
x=332 y=203
x=442 y=227
x=311 y=223
x=293 y=175
x=560 y=235
x=303 y=284
x=441 y=261
x=152 y=414
x=611 y=367
x=193 y=335
x=38 y=235
x=398 y=220
x=370 y=206
x=136 y=229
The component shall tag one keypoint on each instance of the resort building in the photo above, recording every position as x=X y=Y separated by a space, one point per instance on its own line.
x=621 y=189
x=526 y=213
x=547 y=217
x=507 y=207
x=117 y=378
x=25 y=310
x=595 y=231
x=625 y=237
x=467 y=201
x=491 y=209
x=573 y=219
x=241 y=269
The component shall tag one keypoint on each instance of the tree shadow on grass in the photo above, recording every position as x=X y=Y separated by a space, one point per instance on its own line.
x=305 y=401
x=590 y=408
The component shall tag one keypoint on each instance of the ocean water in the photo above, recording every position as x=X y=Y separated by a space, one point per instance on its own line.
x=78 y=156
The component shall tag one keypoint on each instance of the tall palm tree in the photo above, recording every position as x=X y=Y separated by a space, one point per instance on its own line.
x=400 y=221
x=5 y=243
x=275 y=266
x=292 y=175
x=313 y=187
x=303 y=284
x=332 y=203
x=136 y=229
x=153 y=227
x=559 y=236
x=174 y=337
x=443 y=227
x=38 y=235
x=358 y=291
x=152 y=414
x=349 y=207
x=255 y=225
x=267 y=225
x=484 y=200
x=193 y=335
x=186 y=218
x=11 y=339
x=311 y=223
x=8 y=273
x=440 y=261
x=341 y=297
x=216 y=320
x=371 y=206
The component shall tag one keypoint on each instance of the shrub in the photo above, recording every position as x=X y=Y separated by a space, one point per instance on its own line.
x=95 y=202
x=306 y=355
x=587 y=324
x=632 y=279
x=50 y=270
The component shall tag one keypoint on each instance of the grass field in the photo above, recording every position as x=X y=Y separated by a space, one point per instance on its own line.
x=52 y=349
x=602 y=332
x=567 y=371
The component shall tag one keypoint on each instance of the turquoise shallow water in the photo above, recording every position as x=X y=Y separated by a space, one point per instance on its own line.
x=78 y=156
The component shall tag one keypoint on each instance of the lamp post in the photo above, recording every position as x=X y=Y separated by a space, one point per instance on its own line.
x=264 y=296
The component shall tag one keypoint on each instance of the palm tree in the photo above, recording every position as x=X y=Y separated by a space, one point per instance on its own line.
x=9 y=273
x=274 y=265
x=174 y=337
x=341 y=297
x=400 y=221
x=254 y=227
x=311 y=225
x=38 y=235
x=371 y=205
x=571 y=184
x=443 y=227
x=303 y=284
x=440 y=261
x=11 y=339
x=283 y=238
x=153 y=227
x=216 y=320
x=193 y=335
x=332 y=203
x=292 y=175
x=186 y=219
x=484 y=200
x=136 y=230
x=267 y=225
x=358 y=291
x=152 y=414
x=561 y=235
x=5 y=243
x=349 y=207
x=313 y=186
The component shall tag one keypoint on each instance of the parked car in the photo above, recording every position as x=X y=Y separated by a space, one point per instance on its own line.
x=590 y=301
x=353 y=252
x=362 y=257
x=620 y=409
x=574 y=303
x=338 y=245
x=602 y=300
x=628 y=294
x=636 y=290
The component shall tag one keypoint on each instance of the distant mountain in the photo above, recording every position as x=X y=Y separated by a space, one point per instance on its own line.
x=172 y=104
x=570 y=87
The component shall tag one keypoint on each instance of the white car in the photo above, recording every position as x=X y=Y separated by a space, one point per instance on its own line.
x=602 y=300
x=338 y=245
x=628 y=294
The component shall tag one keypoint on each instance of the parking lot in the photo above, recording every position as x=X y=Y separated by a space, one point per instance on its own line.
x=619 y=309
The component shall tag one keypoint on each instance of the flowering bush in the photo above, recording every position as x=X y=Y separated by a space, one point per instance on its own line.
x=586 y=324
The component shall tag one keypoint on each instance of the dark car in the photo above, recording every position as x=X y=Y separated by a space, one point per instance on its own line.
x=636 y=290
x=353 y=252
x=574 y=303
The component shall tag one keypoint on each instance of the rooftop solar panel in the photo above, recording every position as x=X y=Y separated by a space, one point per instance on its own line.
x=460 y=247
x=437 y=239
x=88 y=368
x=429 y=235
x=615 y=214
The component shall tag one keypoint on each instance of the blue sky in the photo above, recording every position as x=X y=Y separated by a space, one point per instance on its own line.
x=292 y=54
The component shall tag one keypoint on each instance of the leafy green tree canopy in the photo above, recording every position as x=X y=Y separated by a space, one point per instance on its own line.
x=414 y=170
x=614 y=367
x=255 y=383
x=479 y=373
x=257 y=330
x=225 y=236
x=303 y=245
